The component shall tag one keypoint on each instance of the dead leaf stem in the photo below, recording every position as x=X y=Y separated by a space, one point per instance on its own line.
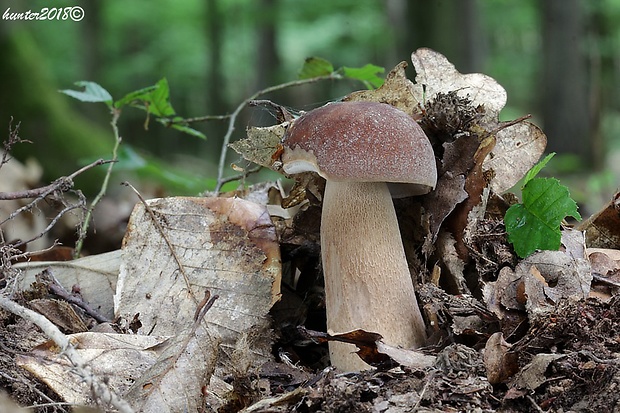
x=165 y=237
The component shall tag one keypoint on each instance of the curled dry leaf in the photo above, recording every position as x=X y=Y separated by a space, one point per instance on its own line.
x=261 y=144
x=518 y=146
x=373 y=350
x=225 y=245
x=397 y=91
x=603 y=228
x=435 y=74
x=499 y=362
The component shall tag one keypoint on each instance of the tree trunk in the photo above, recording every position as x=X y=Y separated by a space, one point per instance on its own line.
x=564 y=90
x=451 y=27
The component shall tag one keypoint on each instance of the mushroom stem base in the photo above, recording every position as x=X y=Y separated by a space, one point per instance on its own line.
x=367 y=281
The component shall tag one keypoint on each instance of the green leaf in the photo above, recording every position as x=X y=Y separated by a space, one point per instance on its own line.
x=531 y=174
x=159 y=100
x=140 y=94
x=368 y=74
x=535 y=223
x=182 y=127
x=92 y=93
x=315 y=67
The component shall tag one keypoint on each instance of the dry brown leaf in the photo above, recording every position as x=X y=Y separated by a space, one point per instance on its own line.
x=603 y=228
x=499 y=362
x=397 y=91
x=60 y=313
x=438 y=75
x=225 y=245
x=261 y=144
x=533 y=375
x=517 y=149
x=95 y=275
x=120 y=358
x=550 y=276
x=177 y=380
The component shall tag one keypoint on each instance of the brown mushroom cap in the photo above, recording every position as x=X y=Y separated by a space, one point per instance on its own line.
x=360 y=141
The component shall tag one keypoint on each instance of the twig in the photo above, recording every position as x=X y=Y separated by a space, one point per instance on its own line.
x=62 y=184
x=56 y=288
x=245 y=174
x=159 y=227
x=116 y=113
x=233 y=117
x=168 y=122
x=99 y=387
x=429 y=380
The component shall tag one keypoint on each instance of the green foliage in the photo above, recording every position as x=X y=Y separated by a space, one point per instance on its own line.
x=535 y=223
x=155 y=100
x=317 y=66
x=92 y=93
x=368 y=74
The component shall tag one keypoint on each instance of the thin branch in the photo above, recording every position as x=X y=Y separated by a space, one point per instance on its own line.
x=62 y=184
x=233 y=117
x=183 y=121
x=57 y=289
x=116 y=113
x=99 y=387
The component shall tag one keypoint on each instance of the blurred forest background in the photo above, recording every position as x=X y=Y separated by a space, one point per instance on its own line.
x=558 y=60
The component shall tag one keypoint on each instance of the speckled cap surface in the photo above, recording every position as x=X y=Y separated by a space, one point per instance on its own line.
x=360 y=141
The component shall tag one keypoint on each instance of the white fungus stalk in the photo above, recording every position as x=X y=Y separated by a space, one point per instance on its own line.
x=367 y=279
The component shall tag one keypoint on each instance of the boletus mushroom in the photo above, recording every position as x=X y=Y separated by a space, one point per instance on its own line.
x=360 y=147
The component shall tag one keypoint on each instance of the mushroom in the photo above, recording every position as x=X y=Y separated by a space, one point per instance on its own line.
x=360 y=147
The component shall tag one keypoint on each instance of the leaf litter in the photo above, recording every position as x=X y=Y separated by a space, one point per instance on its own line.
x=504 y=334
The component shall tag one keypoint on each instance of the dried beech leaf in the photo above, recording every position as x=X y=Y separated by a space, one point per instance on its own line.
x=175 y=382
x=551 y=276
x=437 y=74
x=373 y=350
x=397 y=91
x=59 y=312
x=499 y=362
x=261 y=144
x=518 y=147
x=225 y=245
x=533 y=375
x=95 y=275
x=603 y=228
x=120 y=358
x=517 y=150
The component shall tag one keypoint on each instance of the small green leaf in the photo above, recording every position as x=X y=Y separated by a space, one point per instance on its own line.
x=183 y=128
x=368 y=74
x=92 y=93
x=140 y=94
x=531 y=174
x=535 y=223
x=315 y=67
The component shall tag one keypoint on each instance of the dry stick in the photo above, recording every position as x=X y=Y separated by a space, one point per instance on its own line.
x=56 y=288
x=165 y=237
x=233 y=117
x=98 y=386
x=62 y=184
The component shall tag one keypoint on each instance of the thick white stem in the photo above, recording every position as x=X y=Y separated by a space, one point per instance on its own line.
x=367 y=281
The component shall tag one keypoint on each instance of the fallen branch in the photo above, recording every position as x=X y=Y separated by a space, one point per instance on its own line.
x=99 y=387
